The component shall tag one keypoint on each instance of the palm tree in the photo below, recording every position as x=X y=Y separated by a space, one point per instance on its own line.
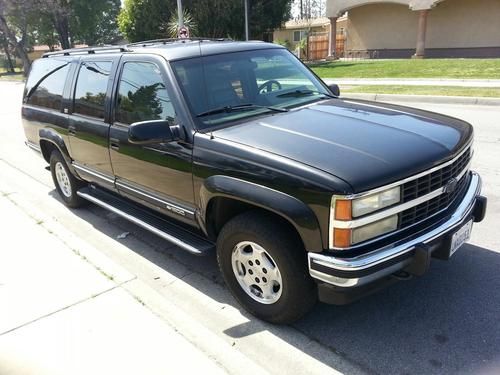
x=173 y=24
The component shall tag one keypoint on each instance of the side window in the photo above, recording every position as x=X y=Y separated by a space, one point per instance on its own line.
x=142 y=94
x=45 y=87
x=91 y=87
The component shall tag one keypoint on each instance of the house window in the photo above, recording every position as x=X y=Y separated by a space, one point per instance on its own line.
x=299 y=35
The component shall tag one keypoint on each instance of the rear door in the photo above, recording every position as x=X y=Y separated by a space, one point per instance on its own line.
x=89 y=119
x=157 y=175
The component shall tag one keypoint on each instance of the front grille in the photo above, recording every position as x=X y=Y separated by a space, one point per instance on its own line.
x=424 y=210
x=426 y=184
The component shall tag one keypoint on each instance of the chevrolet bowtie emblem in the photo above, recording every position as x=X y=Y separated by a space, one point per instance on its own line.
x=451 y=186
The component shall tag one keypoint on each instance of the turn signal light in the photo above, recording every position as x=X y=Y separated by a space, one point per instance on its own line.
x=343 y=209
x=341 y=237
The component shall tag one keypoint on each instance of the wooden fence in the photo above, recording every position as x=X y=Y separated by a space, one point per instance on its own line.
x=318 y=45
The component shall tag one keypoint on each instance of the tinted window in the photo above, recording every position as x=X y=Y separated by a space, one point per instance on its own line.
x=91 y=86
x=142 y=94
x=256 y=79
x=46 y=83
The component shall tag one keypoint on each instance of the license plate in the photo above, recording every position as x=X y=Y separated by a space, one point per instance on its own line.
x=460 y=237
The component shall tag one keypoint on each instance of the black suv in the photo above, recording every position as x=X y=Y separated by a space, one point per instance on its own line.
x=238 y=148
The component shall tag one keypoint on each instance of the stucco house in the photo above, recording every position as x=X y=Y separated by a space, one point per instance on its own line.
x=419 y=28
x=294 y=31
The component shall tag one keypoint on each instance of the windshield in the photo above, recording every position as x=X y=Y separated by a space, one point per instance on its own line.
x=234 y=86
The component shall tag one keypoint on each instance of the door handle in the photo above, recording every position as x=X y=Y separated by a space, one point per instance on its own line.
x=71 y=130
x=114 y=144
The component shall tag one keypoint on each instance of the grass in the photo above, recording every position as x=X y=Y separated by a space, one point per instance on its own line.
x=424 y=90
x=8 y=76
x=426 y=68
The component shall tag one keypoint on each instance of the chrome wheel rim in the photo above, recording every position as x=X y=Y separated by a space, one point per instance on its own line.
x=257 y=272
x=63 y=179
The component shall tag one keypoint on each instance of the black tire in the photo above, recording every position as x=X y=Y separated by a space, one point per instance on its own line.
x=299 y=292
x=69 y=197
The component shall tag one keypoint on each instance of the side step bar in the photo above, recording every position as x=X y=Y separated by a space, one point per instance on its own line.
x=172 y=233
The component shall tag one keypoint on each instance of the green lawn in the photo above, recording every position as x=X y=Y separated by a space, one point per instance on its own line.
x=426 y=68
x=17 y=76
x=424 y=90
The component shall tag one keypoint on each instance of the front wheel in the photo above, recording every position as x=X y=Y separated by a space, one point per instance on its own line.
x=265 y=267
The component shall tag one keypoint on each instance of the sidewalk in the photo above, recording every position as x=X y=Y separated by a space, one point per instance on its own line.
x=59 y=314
x=484 y=83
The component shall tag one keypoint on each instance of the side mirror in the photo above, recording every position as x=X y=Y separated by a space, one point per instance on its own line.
x=150 y=132
x=334 y=88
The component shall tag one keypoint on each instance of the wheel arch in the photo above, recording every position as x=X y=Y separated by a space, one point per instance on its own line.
x=224 y=197
x=50 y=140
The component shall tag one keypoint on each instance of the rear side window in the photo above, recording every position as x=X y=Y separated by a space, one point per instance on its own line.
x=45 y=84
x=142 y=94
x=91 y=87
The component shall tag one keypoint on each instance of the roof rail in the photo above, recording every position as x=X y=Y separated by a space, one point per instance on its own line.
x=173 y=40
x=87 y=50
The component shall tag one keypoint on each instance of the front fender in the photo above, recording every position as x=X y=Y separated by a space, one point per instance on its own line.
x=290 y=208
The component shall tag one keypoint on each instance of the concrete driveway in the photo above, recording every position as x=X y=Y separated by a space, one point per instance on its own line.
x=446 y=322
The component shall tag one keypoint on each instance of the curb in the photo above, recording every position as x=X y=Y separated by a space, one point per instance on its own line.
x=464 y=100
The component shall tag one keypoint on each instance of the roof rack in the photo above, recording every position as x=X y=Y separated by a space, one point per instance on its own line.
x=173 y=40
x=87 y=50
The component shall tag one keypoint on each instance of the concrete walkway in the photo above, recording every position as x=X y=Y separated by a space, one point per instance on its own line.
x=59 y=314
x=484 y=83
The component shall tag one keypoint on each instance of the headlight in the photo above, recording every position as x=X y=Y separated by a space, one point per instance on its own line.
x=375 y=202
x=348 y=210
x=378 y=228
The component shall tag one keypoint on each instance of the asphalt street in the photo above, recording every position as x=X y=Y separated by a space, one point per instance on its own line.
x=446 y=322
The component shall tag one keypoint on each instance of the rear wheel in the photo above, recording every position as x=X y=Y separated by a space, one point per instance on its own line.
x=265 y=267
x=66 y=184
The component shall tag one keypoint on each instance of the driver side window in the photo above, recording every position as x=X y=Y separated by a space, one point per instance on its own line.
x=142 y=94
x=280 y=74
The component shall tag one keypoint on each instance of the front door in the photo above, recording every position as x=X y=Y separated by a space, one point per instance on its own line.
x=158 y=175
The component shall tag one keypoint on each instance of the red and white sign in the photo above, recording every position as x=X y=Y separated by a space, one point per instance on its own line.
x=183 y=32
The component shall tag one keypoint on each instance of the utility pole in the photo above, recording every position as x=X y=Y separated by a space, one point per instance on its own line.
x=180 y=13
x=246 y=20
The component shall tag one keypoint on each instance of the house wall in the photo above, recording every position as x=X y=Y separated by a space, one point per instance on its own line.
x=456 y=28
x=287 y=34
x=380 y=26
x=464 y=23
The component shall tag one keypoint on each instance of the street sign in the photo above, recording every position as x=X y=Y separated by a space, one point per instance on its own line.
x=183 y=32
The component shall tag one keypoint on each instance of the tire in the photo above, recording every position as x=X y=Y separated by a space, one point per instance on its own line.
x=66 y=184
x=250 y=245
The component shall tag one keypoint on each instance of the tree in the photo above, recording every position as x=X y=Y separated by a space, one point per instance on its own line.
x=188 y=21
x=145 y=19
x=309 y=8
x=267 y=15
x=58 y=11
x=94 y=21
x=44 y=32
x=14 y=16
x=6 y=48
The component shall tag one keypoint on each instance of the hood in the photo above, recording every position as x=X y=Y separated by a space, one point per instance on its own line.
x=365 y=144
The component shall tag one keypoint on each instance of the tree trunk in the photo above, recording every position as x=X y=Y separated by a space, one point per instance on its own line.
x=18 y=45
x=7 y=53
x=61 y=24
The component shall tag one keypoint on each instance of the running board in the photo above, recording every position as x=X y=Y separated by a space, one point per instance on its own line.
x=171 y=232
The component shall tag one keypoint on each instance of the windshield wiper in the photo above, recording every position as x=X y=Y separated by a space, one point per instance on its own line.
x=299 y=93
x=240 y=107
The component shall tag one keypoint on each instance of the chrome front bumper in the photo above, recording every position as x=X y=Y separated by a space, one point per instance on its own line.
x=367 y=268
